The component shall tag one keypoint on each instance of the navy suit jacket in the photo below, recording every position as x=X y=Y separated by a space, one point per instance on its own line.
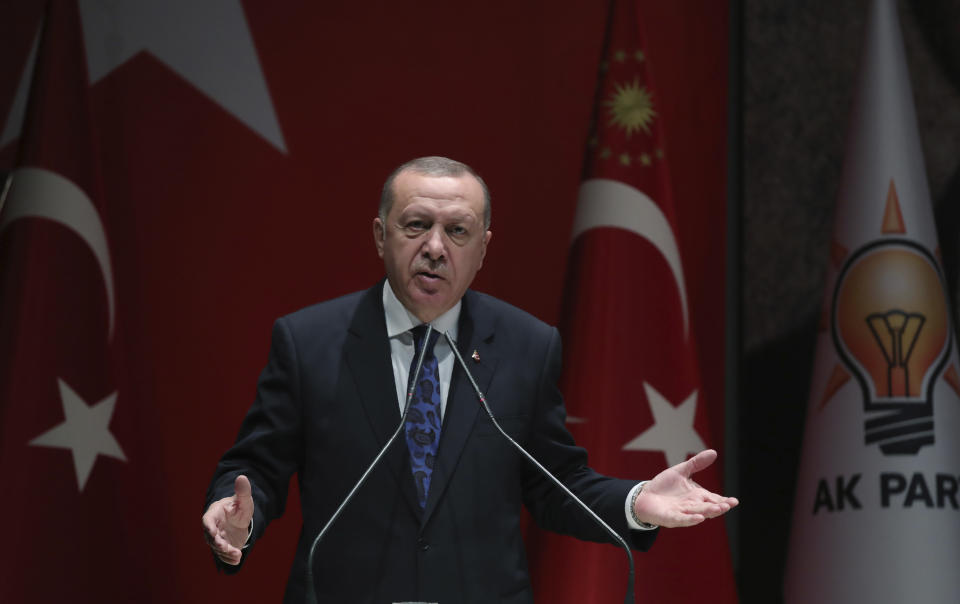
x=326 y=403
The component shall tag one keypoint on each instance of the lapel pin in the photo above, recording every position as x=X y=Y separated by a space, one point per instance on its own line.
x=475 y=356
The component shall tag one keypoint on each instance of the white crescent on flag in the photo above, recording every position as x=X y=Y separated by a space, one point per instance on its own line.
x=40 y=193
x=610 y=203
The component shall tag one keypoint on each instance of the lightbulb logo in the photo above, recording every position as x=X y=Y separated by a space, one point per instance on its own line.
x=891 y=328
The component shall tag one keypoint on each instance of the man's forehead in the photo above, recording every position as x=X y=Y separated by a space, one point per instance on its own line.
x=417 y=181
x=459 y=208
x=438 y=192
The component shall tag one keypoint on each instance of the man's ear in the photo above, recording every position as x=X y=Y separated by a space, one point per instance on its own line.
x=483 y=247
x=379 y=235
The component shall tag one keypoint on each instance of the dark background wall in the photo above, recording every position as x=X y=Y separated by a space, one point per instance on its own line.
x=799 y=70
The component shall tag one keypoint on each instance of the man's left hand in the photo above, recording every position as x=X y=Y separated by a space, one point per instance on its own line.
x=673 y=499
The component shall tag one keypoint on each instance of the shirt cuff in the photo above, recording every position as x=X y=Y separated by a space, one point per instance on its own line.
x=246 y=543
x=635 y=523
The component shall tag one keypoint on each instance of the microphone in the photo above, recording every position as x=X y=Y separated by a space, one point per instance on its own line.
x=628 y=599
x=311 y=591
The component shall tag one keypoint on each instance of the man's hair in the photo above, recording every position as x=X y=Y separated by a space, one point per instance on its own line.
x=432 y=166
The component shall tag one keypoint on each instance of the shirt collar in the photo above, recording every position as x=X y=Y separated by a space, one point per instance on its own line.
x=401 y=320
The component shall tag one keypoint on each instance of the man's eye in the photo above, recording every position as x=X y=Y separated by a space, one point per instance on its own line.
x=457 y=231
x=416 y=225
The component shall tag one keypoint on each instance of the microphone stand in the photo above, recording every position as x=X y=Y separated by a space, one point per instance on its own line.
x=629 y=599
x=311 y=591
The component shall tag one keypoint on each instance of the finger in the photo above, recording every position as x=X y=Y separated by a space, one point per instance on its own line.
x=242 y=499
x=717 y=498
x=679 y=520
x=707 y=508
x=698 y=462
x=241 y=487
x=715 y=509
x=209 y=524
x=240 y=508
x=730 y=502
x=219 y=542
x=231 y=558
x=225 y=550
x=211 y=534
x=212 y=518
x=710 y=496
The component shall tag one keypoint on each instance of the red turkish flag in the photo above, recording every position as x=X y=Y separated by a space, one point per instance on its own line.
x=233 y=155
x=632 y=385
x=82 y=521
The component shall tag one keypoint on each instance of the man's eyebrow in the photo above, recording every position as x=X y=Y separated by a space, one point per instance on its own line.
x=463 y=216
x=456 y=215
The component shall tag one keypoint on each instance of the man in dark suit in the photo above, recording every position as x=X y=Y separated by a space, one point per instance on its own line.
x=439 y=520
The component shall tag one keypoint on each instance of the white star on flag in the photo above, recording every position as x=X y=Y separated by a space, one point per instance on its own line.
x=206 y=43
x=672 y=431
x=85 y=431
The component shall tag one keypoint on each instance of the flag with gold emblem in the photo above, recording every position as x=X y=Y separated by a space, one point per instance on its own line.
x=875 y=514
x=631 y=382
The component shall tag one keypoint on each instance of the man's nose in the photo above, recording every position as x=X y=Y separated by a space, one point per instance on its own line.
x=433 y=246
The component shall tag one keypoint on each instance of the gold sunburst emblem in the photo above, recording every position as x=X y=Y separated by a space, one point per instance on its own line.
x=631 y=107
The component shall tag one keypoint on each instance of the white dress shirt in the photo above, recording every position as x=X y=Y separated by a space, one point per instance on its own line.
x=399 y=323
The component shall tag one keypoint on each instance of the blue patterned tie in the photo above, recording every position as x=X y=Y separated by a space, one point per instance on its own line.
x=423 y=418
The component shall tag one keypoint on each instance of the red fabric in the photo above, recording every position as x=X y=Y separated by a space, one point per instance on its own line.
x=623 y=329
x=66 y=540
x=213 y=233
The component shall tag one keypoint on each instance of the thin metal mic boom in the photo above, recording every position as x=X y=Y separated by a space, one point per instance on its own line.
x=311 y=592
x=628 y=599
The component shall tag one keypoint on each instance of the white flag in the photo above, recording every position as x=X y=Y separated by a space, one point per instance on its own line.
x=876 y=514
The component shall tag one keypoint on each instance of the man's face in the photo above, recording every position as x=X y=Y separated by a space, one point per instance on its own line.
x=433 y=240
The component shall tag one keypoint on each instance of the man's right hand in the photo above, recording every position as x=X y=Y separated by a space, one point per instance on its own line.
x=226 y=523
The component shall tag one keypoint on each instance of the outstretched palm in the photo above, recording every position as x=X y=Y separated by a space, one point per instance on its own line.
x=674 y=499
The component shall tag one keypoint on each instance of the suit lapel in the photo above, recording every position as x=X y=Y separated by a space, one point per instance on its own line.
x=368 y=358
x=475 y=332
